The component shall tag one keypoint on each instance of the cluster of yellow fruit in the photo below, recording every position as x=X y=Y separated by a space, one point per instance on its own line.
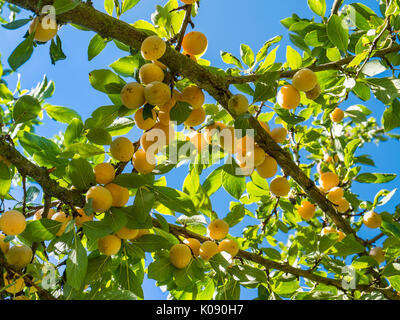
x=181 y=254
x=328 y=184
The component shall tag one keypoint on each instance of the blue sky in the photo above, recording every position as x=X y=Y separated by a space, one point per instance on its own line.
x=227 y=24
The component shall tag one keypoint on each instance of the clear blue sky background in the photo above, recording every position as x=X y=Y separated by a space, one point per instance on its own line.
x=227 y=24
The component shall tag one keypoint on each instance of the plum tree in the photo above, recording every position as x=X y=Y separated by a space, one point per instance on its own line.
x=335 y=195
x=218 y=229
x=328 y=180
x=196 y=117
x=378 y=254
x=101 y=198
x=82 y=217
x=4 y=246
x=279 y=134
x=12 y=223
x=39 y=214
x=109 y=245
x=268 y=168
x=13 y=284
x=180 y=255
x=314 y=93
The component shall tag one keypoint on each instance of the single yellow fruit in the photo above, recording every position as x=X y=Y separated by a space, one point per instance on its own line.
x=196 y=117
x=230 y=246
x=141 y=232
x=341 y=235
x=126 y=233
x=132 y=95
x=46 y=29
x=4 y=246
x=378 y=254
x=195 y=43
x=288 y=97
x=19 y=256
x=218 y=229
x=199 y=141
x=327 y=230
x=17 y=283
x=188 y=1
x=102 y=198
x=304 y=80
x=12 y=223
x=342 y=205
x=244 y=145
x=157 y=93
x=306 y=210
x=193 y=244
x=372 y=220
x=328 y=180
x=150 y=72
x=279 y=134
x=280 y=186
x=150 y=121
x=38 y=214
x=143 y=162
x=238 y=104
x=208 y=249
x=82 y=217
x=335 y=194
x=120 y=195
x=64 y=219
x=194 y=96
x=104 y=173
x=122 y=149
x=153 y=48
x=180 y=255
x=337 y=115
x=314 y=93
x=268 y=168
x=109 y=245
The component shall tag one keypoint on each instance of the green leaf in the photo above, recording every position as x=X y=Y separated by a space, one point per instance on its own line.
x=96 y=229
x=99 y=136
x=26 y=108
x=391 y=228
x=317 y=6
x=16 y=24
x=21 y=53
x=264 y=50
x=235 y=215
x=106 y=81
x=233 y=184
x=349 y=245
x=77 y=263
x=161 y=270
x=109 y=6
x=134 y=180
x=338 y=32
x=62 y=6
x=81 y=174
x=213 y=182
x=266 y=87
x=96 y=45
x=126 y=66
x=96 y=267
x=385 y=89
x=56 y=52
x=247 y=55
x=152 y=243
x=349 y=152
x=174 y=200
x=180 y=112
x=41 y=230
x=128 y=4
x=287 y=116
x=139 y=214
x=333 y=54
x=364 y=262
x=391 y=116
x=375 y=177
x=228 y=58
x=73 y=132
x=61 y=114
x=293 y=58
x=85 y=150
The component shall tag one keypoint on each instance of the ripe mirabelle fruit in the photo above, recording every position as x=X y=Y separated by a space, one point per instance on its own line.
x=122 y=149
x=195 y=43
x=153 y=48
x=335 y=195
x=244 y=145
x=149 y=122
x=288 y=97
x=218 y=229
x=46 y=29
x=327 y=230
x=372 y=220
x=208 y=249
x=342 y=205
x=194 y=96
x=188 y=1
x=143 y=162
x=102 y=198
x=304 y=80
x=306 y=210
x=150 y=72
x=314 y=93
x=104 y=173
x=12 y=223
x=328 y=180
x=38 y=214
x=199 y=141
x=83 y=217
x=132 y=95
x=180 y=255
x=159 y=136
x=13 y=284
x=157 y=93
x=193 y=244
x=268 y=168
x=280 y=186
x=337 y=115
x=4 y=246
x=378 y=254
x=230 y=246
x=258 y=155
x=238 y=104
x=19 y=256
x=341 y=235
x=279 y=134
x=126 y=233
x=109 y=245
x=265 y=126
x=141 y=232
x=120 y=195
x=64 y=219
x=196 y=117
